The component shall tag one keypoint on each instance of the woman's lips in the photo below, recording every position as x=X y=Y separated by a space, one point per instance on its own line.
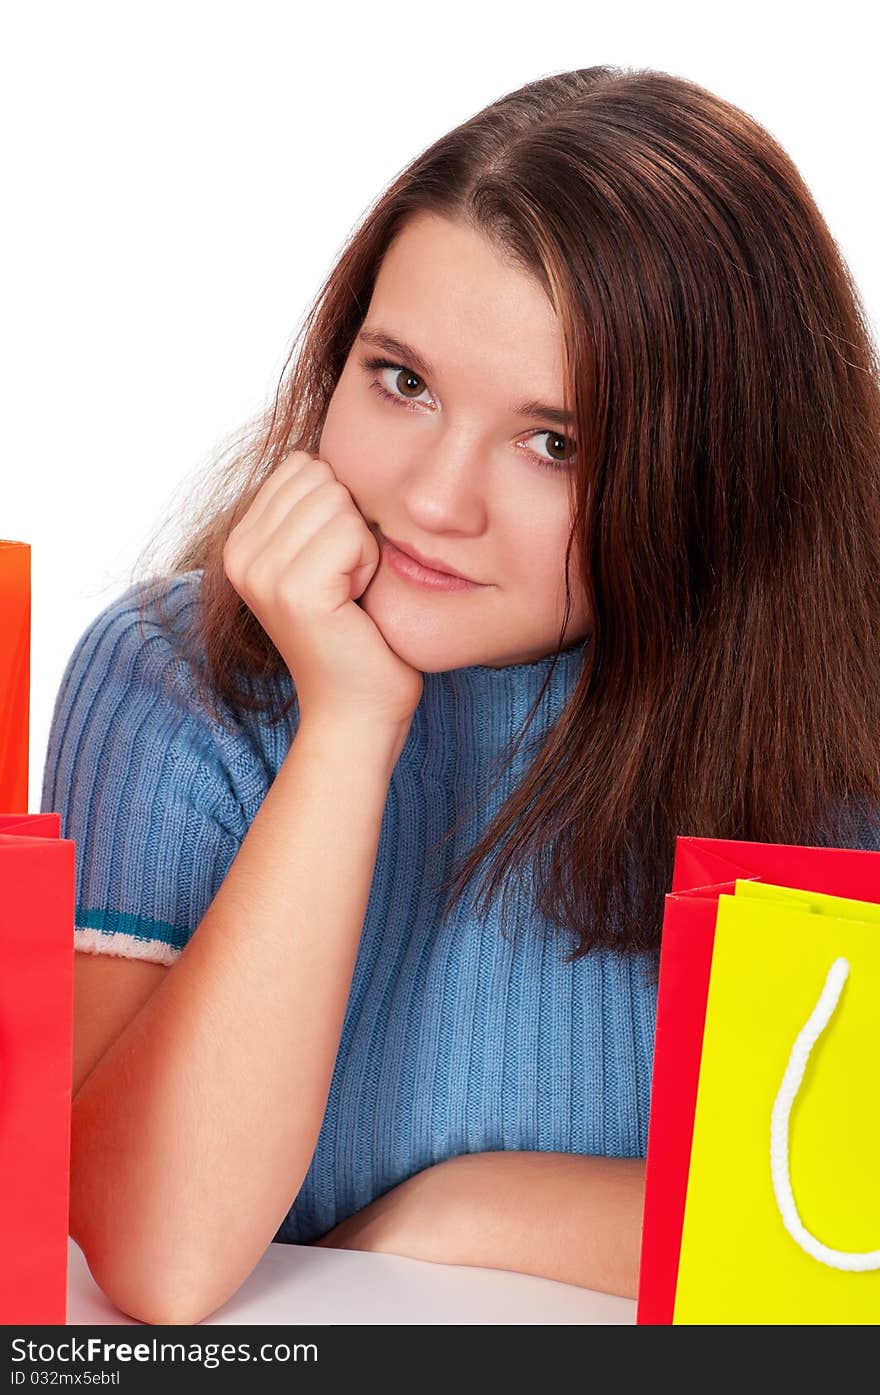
x=411 y=570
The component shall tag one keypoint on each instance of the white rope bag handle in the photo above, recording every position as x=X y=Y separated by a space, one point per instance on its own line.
x=809 y=1034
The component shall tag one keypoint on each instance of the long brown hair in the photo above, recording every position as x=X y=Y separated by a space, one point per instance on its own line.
x=726 y=507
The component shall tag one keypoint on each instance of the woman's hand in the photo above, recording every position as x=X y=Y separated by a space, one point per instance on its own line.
x=300 y=557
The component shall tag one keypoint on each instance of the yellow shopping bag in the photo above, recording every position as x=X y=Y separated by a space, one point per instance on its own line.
x=782 y=1216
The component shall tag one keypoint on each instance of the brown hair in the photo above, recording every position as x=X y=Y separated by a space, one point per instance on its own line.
x=726 y=503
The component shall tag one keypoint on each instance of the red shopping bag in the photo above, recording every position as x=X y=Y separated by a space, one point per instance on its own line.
x=15 y=655
x=36 y=1040
x=704 y=869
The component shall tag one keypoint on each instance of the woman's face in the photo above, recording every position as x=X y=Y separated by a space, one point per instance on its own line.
x=450 y=464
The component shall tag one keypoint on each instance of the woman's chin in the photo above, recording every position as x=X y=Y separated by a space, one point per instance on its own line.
x=421 y=635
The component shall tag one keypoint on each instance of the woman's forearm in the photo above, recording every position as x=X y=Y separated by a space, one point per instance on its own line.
x=193 y=1133
x=564 y=1216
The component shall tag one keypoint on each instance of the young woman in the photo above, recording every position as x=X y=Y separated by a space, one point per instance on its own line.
x=562 y=538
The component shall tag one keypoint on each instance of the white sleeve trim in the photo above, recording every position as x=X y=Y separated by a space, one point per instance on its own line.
x=92 y=941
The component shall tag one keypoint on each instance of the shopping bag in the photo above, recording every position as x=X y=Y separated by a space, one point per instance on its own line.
x=36 y=1040
x=15 y=633
x=715 y=879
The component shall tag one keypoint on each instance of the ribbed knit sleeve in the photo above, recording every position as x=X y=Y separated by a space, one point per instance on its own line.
x=144 y=782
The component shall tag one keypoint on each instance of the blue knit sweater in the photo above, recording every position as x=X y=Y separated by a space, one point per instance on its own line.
x=455 y=1039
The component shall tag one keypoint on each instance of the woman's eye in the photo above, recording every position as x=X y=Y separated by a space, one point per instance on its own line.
x=402 y=382
x=403 y=386
x=564 y=444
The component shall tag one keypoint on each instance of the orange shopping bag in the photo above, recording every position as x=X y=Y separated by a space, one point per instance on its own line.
x=15 y=655
x=36 y=1038
x=36 y=994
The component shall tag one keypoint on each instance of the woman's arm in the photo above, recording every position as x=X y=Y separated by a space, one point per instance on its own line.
x=564 y=1216
x=192 y=1135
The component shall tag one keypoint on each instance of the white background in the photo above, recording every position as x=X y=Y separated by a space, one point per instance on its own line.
x=179 y=177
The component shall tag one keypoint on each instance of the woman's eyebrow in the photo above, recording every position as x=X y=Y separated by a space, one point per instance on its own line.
x=413 y=359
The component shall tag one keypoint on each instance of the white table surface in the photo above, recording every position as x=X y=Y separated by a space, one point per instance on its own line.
x=295 y=1284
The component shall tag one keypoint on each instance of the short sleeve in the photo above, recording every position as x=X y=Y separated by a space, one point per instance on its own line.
x=144 y=781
